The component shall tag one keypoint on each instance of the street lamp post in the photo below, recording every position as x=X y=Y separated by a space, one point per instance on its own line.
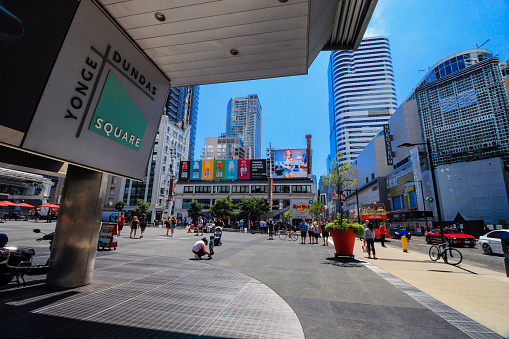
x=434 y=180
x=423 y=201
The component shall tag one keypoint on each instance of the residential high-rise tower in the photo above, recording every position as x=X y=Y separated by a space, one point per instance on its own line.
x=244 y=120
x=362 y=95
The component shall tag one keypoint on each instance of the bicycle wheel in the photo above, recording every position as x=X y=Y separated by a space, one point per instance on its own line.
x=452 y=256
x=282 y=235
x=293 y=236
x=434 y=253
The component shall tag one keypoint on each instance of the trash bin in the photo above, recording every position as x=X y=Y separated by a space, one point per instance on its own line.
x=505 y=248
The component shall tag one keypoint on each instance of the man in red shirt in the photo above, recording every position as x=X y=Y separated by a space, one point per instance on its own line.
x=120 y=223
x=382 y=234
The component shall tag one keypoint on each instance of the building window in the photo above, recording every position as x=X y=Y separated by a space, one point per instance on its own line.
x=113 y=180
x=162 y=190
x=372 y=176
x=188 y=189
x=398 y=202
x=112 y=190
x=412 y=203
x=259 y=189
x=240 y=189
x=281 y=188
x=221 y=189
x=186 y=203
x=301 y=189
x=202 y=189
x=204 y=202
x=110 y=202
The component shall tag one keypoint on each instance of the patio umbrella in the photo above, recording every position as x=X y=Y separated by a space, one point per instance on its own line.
x=7 y=203
x=22 y=204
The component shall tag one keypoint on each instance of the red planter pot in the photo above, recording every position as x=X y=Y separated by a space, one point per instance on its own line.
x=343 y=241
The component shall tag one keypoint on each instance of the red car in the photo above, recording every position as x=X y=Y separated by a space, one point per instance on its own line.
x=455 y=237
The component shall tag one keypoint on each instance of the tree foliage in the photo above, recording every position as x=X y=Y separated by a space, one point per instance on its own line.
x=340 y=176
x=316 y=207
x=223 y=208
x=287 y=216
x=253 y=207
x=195 y=210
x=119 y=206
x=142 y=207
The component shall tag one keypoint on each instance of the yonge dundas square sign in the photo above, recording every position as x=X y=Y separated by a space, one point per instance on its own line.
x=102 y=102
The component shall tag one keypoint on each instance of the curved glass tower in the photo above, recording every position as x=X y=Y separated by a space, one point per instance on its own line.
x=362 y=95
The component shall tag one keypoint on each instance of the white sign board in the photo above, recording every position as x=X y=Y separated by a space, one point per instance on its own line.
x=103 y=102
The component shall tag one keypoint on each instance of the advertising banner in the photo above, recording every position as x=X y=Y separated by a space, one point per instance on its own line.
x=243 y=170
x=207 y=168
x=231 y=169
x=184 y=171
x=258 y=169
x=102 y=103
x=290 y=163
x=219 y=167
x=300 y=209
x=195 y=170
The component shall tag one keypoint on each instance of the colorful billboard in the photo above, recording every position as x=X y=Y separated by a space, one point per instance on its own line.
x=243 y=170
x=207 y=170
x=231 y=170
x=258 y=169
x=219 y=168
x=195 y=170
x=184 y=170
x=290 y=163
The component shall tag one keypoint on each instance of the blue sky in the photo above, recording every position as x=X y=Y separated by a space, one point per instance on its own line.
x=420 y=33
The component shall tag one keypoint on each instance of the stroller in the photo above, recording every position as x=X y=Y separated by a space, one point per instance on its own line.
x=218 y=232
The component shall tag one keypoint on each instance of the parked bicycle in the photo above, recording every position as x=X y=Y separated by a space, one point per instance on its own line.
x=291 y=235
x=449 y=254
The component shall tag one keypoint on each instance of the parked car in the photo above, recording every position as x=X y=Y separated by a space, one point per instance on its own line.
x=491 y=242
x=454 y=236
x=397 y=232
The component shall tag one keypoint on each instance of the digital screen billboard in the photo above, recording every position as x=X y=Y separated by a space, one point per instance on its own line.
x=290 y=163
x=258 y=169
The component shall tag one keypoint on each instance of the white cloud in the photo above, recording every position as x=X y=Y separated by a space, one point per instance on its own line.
x=378 y=25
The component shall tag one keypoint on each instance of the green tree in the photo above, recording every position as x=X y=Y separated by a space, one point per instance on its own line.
x=253 y=207
x=340 y=177
x=195 y=210
x=142 y=207
x=119 y=206
x=287 y=216
x=223 y=208
x=316 y=207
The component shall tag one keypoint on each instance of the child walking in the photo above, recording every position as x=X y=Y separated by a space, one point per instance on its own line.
x=211 y=245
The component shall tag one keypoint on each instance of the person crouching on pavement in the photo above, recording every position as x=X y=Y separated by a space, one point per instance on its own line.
x=200 y=248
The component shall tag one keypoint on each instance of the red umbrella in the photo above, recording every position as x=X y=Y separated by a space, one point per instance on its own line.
x=50 y=206
x=22 y=204
x=7 y=203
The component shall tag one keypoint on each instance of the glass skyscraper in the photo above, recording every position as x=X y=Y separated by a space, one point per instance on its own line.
x=244 y=120
x=362 y=96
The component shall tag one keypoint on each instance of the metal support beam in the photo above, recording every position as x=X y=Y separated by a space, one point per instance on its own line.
x=77 y=231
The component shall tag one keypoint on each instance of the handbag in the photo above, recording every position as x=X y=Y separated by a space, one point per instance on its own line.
x=364 y=248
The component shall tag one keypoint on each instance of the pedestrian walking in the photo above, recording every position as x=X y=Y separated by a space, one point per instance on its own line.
x=167 y=224
x=200 y=226
x=382 y=234
x=173 y=225
x=143 y=224
x=311 y=233
x=325 y=233
x=369 y=240
x=200 y=249
x=303 y=231
x=270 y=226
x=316 y=231
x=36 y=215
x=120 y=223
x=134 y=226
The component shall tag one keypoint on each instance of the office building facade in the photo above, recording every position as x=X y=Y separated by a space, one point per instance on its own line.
x=362 y=95
x=244 y=120
x=225 y=148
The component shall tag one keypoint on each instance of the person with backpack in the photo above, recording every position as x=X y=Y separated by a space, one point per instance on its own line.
x=143 y=225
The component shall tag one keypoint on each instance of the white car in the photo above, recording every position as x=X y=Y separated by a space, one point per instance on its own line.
x=491 y=242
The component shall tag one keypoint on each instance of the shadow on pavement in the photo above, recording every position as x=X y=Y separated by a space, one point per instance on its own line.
x=342 y=262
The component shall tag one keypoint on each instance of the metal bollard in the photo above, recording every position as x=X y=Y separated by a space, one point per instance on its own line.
x=404 y=243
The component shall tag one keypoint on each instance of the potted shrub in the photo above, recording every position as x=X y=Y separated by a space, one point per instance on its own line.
x=343 y=233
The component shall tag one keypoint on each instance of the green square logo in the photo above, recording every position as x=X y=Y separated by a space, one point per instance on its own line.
x=117 y=117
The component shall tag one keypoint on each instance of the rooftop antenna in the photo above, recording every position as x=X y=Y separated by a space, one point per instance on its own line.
x=482 y=44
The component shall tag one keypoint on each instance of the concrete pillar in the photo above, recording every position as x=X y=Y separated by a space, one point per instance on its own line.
x=77 y=231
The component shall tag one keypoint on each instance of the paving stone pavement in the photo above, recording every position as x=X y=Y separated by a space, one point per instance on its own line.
x=253 y=288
